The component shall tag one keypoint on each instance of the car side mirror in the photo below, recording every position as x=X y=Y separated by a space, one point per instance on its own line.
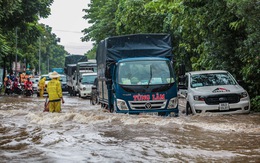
x=240 y=82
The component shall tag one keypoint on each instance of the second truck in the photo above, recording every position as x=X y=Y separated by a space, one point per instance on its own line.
x=136 y=74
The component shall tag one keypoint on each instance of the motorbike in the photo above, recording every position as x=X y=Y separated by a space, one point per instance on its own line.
x=18 y=90
x=8 y=89
x=29 y=90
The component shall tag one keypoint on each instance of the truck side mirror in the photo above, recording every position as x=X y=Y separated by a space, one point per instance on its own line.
x=182 y=69
x=80 y=80
x=182 y=86
x=108 y=81
x=107 y=72
x=182 y=82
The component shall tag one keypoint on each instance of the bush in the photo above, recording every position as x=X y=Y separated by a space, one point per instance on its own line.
x=255 y=104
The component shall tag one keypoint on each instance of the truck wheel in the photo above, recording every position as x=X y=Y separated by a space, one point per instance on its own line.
x=188 y=109
x=93 y=99
x=162 y=113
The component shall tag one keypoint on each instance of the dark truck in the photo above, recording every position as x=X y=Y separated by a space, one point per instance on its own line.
x=70 y=68
x=136 y=75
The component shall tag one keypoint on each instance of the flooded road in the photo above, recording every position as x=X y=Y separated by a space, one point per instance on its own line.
x=86 y=133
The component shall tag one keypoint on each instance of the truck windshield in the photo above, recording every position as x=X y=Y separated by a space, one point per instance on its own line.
x=88 y=79
x=63 y=79
x=211 y=79
x=145 y=73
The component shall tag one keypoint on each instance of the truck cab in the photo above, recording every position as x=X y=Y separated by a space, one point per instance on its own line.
x=82 y=67
x=144 y=85
x=86 y=82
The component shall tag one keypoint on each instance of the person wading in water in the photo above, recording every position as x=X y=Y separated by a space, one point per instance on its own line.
x=55 y=93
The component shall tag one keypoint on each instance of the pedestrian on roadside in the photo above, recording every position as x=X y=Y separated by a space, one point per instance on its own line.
x=42 y=86
x=55 y=93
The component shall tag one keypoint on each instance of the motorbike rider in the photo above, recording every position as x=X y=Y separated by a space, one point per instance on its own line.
x=42 y=86
x=7 y=82
x=15 y=85
x=28 y=85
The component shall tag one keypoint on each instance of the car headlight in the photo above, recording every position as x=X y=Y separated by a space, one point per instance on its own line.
x=173 y=103
x=121 y=104
x=199 y=98
x=243 y=95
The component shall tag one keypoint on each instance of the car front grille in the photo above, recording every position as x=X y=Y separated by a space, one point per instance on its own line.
x=147 y=105
x=225 y=98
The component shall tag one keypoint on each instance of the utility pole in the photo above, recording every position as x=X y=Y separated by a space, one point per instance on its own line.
x=39 y=55
x=48 y=64
x=15 y=51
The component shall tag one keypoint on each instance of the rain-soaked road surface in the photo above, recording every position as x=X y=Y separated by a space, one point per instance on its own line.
x=86 y=133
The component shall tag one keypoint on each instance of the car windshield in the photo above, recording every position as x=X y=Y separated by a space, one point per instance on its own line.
x=35 y=80
x=211 y=79
x=88 y=79
x=47 y=77
x=145 y=73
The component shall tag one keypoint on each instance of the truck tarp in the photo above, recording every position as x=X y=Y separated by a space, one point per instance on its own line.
x=74 y=59
x=113 y=49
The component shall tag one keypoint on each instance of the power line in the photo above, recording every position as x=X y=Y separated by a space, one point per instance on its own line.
x=68 y=31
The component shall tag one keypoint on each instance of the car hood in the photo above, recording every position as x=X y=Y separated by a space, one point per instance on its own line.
x=220 y=89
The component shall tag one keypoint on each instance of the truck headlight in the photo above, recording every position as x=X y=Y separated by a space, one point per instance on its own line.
x=173 y=103
x=84 y=88
x=121 y=104
x=243 y=95
x=199 y=98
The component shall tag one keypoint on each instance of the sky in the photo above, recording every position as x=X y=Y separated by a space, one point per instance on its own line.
x=67 y=23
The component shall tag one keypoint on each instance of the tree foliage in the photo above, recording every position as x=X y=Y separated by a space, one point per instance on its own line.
x=22 y=35
x=209 y=34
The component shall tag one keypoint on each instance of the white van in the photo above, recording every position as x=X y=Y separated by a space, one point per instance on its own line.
x=214 y=91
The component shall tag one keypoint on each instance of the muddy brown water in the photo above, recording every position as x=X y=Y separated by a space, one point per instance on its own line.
x=87 y=133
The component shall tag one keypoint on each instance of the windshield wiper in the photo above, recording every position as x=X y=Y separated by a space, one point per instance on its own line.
x=151 y=75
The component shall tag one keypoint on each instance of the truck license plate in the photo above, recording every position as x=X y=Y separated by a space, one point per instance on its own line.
x=223 y=106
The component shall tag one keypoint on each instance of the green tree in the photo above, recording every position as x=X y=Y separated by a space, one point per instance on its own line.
x=210 y=34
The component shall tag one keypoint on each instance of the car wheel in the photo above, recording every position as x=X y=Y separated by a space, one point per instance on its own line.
x=188 y=109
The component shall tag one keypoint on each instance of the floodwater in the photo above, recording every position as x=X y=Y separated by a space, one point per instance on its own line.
x=86 y=133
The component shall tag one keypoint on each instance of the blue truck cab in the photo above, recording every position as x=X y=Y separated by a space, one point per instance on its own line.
x=136 y=74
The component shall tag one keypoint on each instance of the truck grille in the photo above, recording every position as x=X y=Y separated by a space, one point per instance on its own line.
x=225 y=98
x=147 y=105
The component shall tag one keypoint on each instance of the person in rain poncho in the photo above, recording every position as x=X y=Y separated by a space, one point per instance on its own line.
x=55 y=93
x=42 y=86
